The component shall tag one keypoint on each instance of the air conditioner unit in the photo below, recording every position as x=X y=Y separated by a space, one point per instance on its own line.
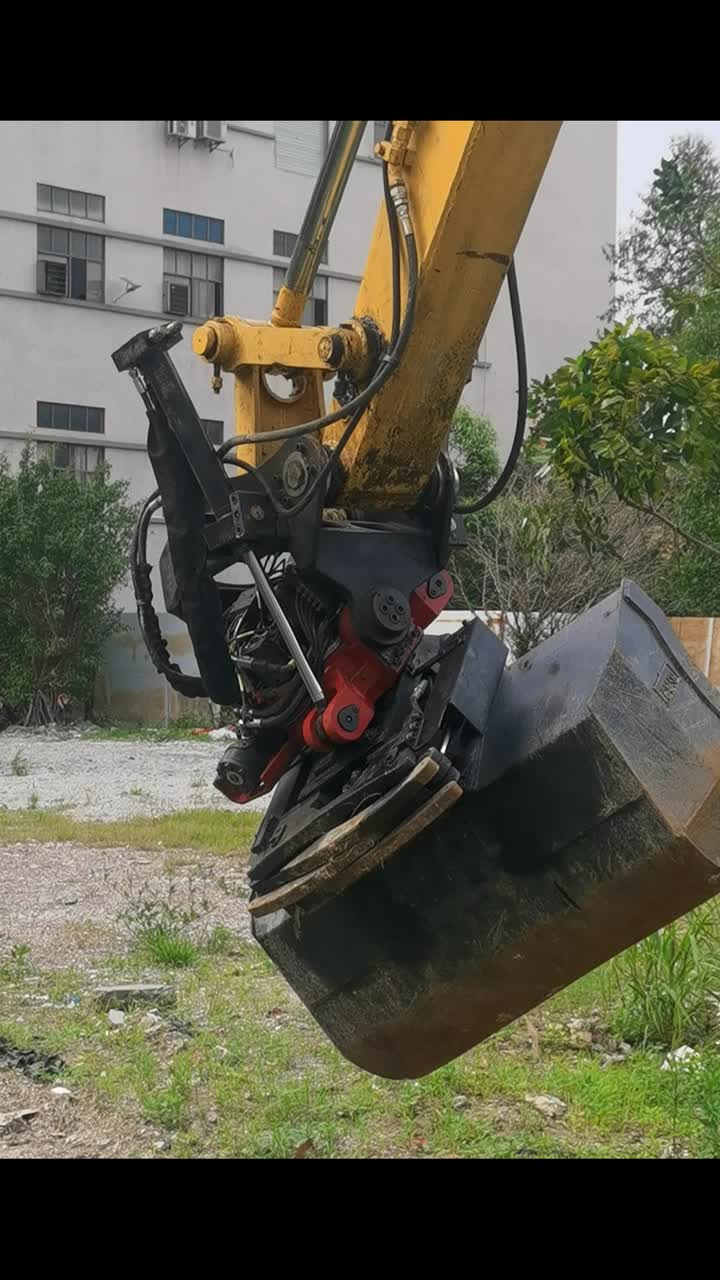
x=182 y=128
x=52 y=277
x=177 y=299
x=212 y=130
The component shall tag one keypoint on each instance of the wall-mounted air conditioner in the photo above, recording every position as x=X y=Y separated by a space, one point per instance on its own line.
x=52 y=277
x=182 y=129
x=212 y=130
x=176 y=299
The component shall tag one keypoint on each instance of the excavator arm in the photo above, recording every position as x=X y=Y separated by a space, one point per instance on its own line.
x=448 y=840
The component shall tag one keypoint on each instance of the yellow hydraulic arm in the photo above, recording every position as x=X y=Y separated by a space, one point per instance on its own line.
x=467 y=187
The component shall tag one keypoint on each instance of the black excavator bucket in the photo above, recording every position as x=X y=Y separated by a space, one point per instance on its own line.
x=590 y=817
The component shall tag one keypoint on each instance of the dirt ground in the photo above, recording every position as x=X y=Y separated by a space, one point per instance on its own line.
x=63 y=900
x=65 y=1127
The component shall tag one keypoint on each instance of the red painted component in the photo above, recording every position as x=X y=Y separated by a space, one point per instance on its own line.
x=355 y=676
x=424 y=607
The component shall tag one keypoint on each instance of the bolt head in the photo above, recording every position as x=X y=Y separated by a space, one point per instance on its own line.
x=295 y=475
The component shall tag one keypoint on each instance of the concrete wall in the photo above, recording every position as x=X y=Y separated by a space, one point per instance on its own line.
x=128 y=688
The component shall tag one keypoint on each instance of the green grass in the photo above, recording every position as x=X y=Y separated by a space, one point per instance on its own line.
x=168 y=947
x=667 y=982
x=140 y=733
x=182 y=728
x=203 y=830
x=258 y=1079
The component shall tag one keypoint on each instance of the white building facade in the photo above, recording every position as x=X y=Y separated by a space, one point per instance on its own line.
x=109 y=226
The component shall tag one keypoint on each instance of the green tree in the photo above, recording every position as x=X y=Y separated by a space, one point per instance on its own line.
x=633 y=415
x=63 y=551
x=525 y=555
x=638 y=411
x=669 y=257
x=472 y=442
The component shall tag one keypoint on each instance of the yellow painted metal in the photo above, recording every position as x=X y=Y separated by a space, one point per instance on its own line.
x=257 y=408
x=232 y=342
x=395 y=152
x=471 y=184
x=288 y=309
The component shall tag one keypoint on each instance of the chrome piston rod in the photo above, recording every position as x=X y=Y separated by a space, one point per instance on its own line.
x=324 y=204
x=307 y=675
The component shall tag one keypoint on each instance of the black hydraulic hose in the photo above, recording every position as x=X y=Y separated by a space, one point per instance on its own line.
x=394 y=231
x=155 y=643
x=391 y=361
x=496 y=489
x=142 y=523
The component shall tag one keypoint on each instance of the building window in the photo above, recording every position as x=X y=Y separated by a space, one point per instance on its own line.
x=284 y=243
x=214 y=430
x=300 y=145
x=73 y=204
x=82 y=460
x=70 y=417
x=380 y=129
x=71 y=264
x=316 y=308
x=192 y=283
x=193 y=226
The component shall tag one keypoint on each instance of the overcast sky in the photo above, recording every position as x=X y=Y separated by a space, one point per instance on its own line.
x=641 y=143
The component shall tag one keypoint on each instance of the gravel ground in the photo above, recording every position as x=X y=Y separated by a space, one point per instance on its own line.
x=111 y=780
x=63 y=900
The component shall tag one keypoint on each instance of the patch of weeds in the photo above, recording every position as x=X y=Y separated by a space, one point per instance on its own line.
x=167 y=947
x=167 y=1105
x=20 y=954
x=667 y=983
x=198 y=781
x=707 y=1087
x=34 y=800
x=14 y=959
x=19 y=765
x=160 y=925
x=136 y=791
x=221 y=941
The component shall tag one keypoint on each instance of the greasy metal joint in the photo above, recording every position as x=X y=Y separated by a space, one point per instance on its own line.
x=288 y=309
x=396 y=152
x=231 y=343
x=331 y=350
x=206 y=340
x=345 y=348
